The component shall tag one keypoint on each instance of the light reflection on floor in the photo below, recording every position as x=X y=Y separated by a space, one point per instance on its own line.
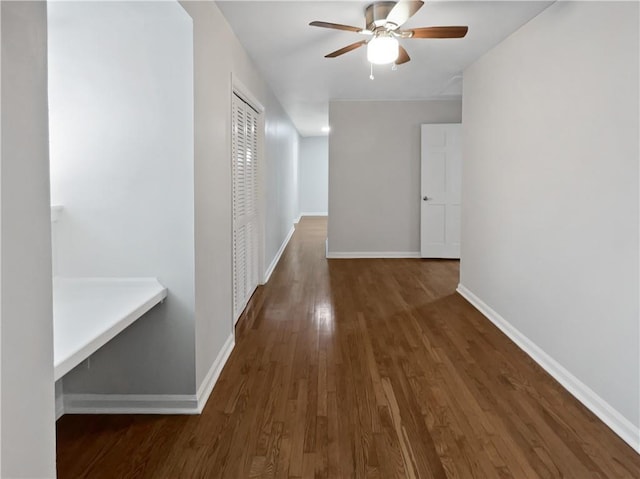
x=323 y=316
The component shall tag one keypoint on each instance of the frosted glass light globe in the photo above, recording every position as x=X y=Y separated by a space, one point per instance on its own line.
x=382 y=50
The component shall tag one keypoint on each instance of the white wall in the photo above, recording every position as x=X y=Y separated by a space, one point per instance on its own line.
x=121 y=134
x=281 y=183
x=374 y=174
x=0 y=254
x=28 y=432
x=313 y=175
x=550 y=194
x=28 y=427
x=218 y=54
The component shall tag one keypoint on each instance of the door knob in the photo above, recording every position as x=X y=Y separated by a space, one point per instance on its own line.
x=425 y=198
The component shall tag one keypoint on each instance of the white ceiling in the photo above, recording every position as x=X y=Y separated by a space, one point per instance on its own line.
x=290 y=54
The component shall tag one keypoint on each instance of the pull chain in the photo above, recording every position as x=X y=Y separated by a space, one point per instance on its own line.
x=371 y=77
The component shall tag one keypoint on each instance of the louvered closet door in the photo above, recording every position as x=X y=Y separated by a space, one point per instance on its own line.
x=245 y=203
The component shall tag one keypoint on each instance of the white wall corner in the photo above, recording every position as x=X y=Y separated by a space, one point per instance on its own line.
x=204 y=391
x=274 y=263
x=56 y=211
x=620 y=425
x=59 y=406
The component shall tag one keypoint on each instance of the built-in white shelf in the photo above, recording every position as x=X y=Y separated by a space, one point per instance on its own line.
x=89 y=312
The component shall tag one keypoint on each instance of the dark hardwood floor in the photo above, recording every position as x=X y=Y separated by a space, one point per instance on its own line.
x=360 y=368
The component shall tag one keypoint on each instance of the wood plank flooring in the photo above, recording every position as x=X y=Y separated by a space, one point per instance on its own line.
x=360 y=368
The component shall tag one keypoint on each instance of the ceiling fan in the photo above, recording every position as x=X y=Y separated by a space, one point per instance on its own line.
x=382 y=23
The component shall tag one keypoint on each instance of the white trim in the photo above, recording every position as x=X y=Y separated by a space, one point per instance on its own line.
x=243 y=92
x=147 y=403
x=583 y=393
x=297 y=220
x=130 y=404
x=372 y=254
x=59 y=406
x=204 y=391
x=244 y=306
x=320 y=213
x=274 y=263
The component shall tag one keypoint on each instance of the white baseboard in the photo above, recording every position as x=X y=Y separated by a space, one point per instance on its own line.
x=583 y=393
x=273 y=264
x=372 y=254
x=297 y=220
x=147 y=403
x=204 y=391
x=321 y=213
x=130 y=404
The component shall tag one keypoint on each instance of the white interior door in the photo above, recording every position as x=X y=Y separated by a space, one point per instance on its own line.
x=244 y=146
x=441 y=177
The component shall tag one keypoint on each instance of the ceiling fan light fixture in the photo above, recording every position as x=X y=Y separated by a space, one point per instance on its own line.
x=384 y=20
x=382 y=50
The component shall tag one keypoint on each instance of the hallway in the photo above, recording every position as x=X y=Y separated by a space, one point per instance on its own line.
x=359 y=368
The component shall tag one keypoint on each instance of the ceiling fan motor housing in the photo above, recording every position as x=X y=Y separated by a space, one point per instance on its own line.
x=376 y=15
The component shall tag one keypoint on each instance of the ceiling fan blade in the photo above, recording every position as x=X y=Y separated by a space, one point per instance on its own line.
x=346 y=49
x=403 y=11
x=336 y=26
x=403 y=56
x=439 y=32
